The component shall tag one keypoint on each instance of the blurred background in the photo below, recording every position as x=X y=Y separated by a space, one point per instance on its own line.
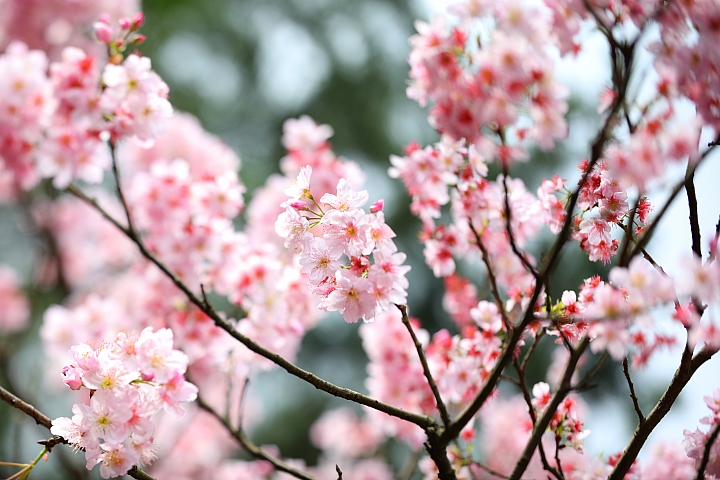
x=243 y=67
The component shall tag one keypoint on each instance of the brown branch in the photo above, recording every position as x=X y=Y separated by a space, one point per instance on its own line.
x=490 y=470
x=541 y=425
x=522 y=384
x=426 y=368
x=633 y=395
x=694 y=216
x=491 y=275
x=132 y=232
x=585 y=382
x=250 y=447
x=706 y=452
x=508 y=229
x=645 y=238
x=339 y=472
x=683 y=374
x=45 y=421
x=337 y=391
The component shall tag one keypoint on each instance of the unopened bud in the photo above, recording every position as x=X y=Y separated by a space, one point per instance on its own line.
x=137 y=39
x=125 y=23
x=299 y=205
x=377 y=206
x=103 y=32
x=138 y=20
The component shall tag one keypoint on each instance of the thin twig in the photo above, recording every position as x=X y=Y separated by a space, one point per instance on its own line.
x=508 y=229
x=339 y=472
x=491 y=276
x=706 y=452
x=633 y=395
x=564 y=387
x=645 y=238
x=250 y=447
x=426 y=368
x=683 y=374
x=584 y=384
x=490 y=470
x=694 y=216
x=132 y=232
x=335 y=390
x=45 y=421
x=532 y=348
x=533 y=416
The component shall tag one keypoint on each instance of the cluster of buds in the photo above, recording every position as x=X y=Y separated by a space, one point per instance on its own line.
x=118 y=42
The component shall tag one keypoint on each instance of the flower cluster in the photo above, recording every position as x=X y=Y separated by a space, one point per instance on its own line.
x=451 y=172
x=480 y=93
x=616 y=315
x=129 y=381
x=565 y=423
x=54 y=118
x=358 y=287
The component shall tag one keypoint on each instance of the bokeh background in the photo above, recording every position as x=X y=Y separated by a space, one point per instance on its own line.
x=243 y=67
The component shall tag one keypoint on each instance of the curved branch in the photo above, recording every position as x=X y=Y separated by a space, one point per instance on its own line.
x=426 y=368
x=541 y=425
x=633 y=395
x=250 y=447
x=341 y=392
x=683 y=374
x=45 y=421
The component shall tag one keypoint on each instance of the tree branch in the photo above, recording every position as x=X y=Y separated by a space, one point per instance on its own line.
x=341 y=392
x=426 y=368
x=645 y=238
x=541 y=425
x=706 y=452
x=694 y=217
x=633 y=396
x=683 y=374
x=250 y=447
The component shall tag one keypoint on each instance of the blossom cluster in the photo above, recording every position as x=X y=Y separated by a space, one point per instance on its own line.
x=565 y=423
x=358 y=287
x=129 y=381
x=55 y=118
x=490 y=93
x=456 y=174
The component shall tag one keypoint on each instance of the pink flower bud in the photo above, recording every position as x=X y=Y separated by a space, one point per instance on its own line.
x=299 y=205
x=104 y=18
x=377 y=206
x=147 y=376
x=125 y=23
x=137 y=39
x=103 y=32
x=72 y=377
x=138 y=20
